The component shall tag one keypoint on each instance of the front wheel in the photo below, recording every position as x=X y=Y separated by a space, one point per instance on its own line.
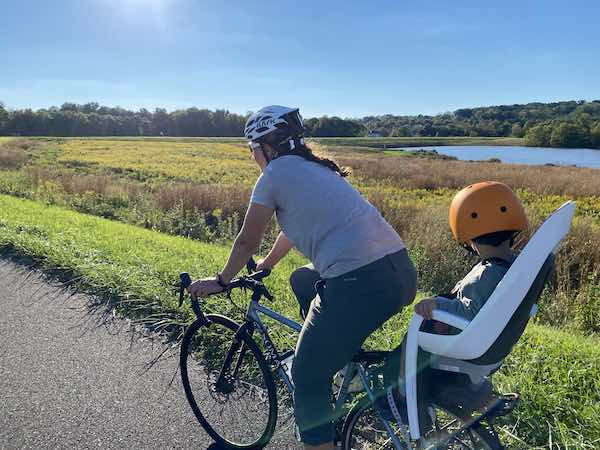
x=228 y=383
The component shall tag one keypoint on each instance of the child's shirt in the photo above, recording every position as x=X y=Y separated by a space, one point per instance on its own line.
x=471 y=293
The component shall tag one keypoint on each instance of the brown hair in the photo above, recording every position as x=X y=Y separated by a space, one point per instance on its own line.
x=304 y=151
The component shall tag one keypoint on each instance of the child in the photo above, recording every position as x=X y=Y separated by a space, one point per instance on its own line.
x=484 y=218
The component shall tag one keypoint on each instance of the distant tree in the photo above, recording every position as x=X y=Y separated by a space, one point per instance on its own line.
x=89 y=108
x=92 y=119
x=402 y=131
x=335 y=127
x=162 y=123
x=3 y=119
x=567 y=134
x=69 y=107
x=538 y=136
x=595 y=136
x=517 y=131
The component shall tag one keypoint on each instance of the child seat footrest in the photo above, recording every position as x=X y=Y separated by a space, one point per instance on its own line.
x=502 y=406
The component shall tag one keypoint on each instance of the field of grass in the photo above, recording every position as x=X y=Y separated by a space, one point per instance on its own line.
x=133 y=270
x=199 y=189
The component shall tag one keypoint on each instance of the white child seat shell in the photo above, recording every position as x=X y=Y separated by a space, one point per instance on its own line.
x=478 y=335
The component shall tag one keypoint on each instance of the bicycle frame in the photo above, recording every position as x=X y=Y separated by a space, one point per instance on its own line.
x=273 y=356
x=252 y=321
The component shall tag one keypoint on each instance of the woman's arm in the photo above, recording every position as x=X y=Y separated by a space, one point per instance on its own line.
x=246 y=244
x=248 y=240
x=281 y=247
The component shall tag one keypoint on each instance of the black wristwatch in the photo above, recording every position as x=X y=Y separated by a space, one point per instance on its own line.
x=220 y=281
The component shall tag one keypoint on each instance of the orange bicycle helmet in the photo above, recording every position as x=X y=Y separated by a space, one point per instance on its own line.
x=484 y=208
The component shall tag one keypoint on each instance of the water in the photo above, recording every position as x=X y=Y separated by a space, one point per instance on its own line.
x=581 y=157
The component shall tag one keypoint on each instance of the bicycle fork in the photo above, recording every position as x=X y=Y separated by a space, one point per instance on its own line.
x=225 y=381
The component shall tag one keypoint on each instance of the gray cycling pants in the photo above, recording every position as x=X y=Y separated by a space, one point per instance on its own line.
x=338 y=320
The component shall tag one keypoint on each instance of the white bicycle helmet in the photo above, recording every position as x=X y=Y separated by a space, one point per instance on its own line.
x=285 y=122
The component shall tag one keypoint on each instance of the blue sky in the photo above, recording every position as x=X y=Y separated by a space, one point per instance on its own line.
x=347 y=58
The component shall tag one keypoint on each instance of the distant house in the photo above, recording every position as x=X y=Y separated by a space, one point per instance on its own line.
x=375 y=133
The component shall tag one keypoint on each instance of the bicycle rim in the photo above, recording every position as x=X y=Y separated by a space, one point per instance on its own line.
x=228 y=384
x=364 y=430
x=447 y=423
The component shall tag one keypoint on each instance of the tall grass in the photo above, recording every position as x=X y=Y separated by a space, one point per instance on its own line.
x=14 y=154
x=430 y=174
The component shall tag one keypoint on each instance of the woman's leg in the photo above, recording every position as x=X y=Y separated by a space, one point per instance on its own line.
x=352 y=307
x=303 y=282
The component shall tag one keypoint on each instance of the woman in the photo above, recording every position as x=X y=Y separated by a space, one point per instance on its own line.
x=366 y=272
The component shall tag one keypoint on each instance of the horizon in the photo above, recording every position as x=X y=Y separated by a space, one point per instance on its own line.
x=339 y=59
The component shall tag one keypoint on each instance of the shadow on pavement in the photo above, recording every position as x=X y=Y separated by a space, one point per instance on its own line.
x=214 y=446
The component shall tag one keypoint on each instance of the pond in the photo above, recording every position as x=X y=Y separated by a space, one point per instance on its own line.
x=581 y=157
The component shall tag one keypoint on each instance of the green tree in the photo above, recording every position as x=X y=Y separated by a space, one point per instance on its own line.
x=3 y=119
x=567 y=134
x=595 y=136
x=517 y=131
x=538 y=136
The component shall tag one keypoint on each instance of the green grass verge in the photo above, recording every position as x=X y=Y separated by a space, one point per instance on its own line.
x=557 y=374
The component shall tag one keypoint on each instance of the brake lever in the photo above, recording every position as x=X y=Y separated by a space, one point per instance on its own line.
x=186 y=281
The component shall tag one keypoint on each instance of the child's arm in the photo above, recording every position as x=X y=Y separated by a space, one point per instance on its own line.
x=425 y=308
x=455 y=306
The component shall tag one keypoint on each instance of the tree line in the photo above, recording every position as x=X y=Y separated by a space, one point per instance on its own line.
x=564 y=124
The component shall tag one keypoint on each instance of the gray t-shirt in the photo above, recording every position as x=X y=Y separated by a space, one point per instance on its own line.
x=474 y=289
x=328 y=220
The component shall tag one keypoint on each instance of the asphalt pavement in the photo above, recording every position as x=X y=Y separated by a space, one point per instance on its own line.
x=69 y=379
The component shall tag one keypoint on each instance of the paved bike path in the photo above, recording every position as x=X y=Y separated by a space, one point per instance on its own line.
x=68 y=382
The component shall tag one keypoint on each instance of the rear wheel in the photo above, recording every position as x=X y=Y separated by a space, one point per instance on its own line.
x=364 y=429
x=448 y=422
x=228 y=383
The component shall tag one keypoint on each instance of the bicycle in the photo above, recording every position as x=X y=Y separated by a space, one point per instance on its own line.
x=224 y=360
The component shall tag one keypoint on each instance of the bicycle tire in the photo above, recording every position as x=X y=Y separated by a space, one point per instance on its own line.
x=193 y=337
x=484 y=439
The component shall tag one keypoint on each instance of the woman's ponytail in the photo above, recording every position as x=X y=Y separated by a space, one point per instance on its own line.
x=306 y=153
x=301 y=149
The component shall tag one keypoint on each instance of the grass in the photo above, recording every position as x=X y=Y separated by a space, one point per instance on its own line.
x=133 y=271
x=202 y=162
x=199 y=188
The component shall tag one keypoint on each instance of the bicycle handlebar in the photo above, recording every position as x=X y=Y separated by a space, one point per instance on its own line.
x=252 y=282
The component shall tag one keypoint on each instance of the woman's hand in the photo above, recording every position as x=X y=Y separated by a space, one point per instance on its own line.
x=425 y=308
x=262 y=265
x=205 y=287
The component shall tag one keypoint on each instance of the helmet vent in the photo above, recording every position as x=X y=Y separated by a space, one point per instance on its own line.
x=474 y=215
